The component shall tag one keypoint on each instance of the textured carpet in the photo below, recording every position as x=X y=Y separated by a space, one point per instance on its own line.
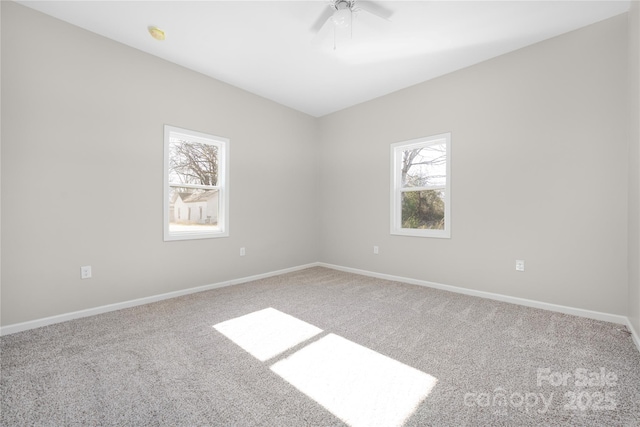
x=166 y=364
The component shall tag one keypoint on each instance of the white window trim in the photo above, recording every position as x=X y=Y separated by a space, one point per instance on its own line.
x=396 y=190
x=223 y=184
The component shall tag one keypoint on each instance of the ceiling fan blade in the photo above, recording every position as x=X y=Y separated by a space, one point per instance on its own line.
x=324 y=31
x=375 y=9
x=322 y=20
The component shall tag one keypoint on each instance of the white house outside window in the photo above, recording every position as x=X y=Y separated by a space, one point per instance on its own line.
x=196 y=180
x=420 y=187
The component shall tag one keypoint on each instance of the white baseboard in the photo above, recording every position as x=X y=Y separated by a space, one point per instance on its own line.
x=606 y=317
x=19 y=327
x=622 y=320
x=634 y=334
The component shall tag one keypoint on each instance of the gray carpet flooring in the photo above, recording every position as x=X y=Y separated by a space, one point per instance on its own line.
x=165 y=364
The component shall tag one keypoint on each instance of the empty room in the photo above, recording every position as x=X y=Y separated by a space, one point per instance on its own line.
x=320 y=213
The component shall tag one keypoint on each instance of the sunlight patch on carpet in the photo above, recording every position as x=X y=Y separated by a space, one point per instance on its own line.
x=358 y=385
x=267 y=333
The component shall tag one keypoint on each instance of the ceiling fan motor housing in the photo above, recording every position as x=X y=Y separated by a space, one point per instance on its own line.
x=343 y=4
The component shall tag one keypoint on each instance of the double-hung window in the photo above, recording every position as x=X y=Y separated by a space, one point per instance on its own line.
x=196 y=185
x=420 y=187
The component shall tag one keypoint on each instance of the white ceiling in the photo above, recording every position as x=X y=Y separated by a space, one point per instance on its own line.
x=269 y=48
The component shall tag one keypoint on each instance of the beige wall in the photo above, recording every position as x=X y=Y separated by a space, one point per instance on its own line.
x=634 y=166
x=82 y=138
x=540 y=173
x=539 y=152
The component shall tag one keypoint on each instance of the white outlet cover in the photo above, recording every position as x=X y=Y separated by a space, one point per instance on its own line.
x=85 y=272
x=520 y=265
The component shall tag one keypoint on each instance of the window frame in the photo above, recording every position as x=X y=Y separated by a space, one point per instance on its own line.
x=396 y=187
x=222 y=184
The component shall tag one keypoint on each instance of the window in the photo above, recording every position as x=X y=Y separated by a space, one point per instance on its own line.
x=420 y=187
x=196 y=168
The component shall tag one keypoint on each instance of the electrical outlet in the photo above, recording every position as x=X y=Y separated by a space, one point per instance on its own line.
x=519 y=265
x=242 y=252
x=85 y=272
x=375 y=250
